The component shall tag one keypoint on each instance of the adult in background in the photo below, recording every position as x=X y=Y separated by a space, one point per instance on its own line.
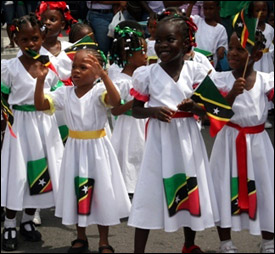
x=99 y=16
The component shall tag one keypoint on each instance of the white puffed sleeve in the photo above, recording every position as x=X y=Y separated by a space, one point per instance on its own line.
x=141 y=81
x=5 y=76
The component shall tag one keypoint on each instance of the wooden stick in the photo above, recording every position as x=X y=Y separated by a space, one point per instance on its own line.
x=246 y=64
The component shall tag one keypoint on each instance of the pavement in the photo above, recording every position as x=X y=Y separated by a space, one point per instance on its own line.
x=57 y=237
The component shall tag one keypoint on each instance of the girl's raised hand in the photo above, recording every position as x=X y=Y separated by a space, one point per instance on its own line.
x=238 y=87
x=95 y=66
x=42 y=71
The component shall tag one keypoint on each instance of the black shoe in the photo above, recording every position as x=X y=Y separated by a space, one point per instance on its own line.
x=33 y=235
x=9 y=244
x=106 y=247
x=82 y=249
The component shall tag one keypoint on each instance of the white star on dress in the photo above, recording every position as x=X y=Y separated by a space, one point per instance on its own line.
x=177 y=199
x=42 y=182
x=85 y=189
x=216 y=111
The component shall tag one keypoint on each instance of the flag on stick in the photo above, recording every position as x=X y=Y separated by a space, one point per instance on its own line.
x=217 y=108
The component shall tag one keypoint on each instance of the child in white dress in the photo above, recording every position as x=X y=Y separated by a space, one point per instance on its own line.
x=242 y=159
x=265 y=64
x=211 y=36
x=37 y=149
x=92 y=190
x=174 y=187
x=129 y=133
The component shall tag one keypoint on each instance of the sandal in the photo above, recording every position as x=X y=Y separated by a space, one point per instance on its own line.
x=106 y=247
x=191 y=249
x=33 y=235
x=10 y=243
x=82 y=249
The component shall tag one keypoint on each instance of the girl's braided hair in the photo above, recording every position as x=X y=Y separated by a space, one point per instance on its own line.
x=188 y=27
x=27 y=19
x=127 y=40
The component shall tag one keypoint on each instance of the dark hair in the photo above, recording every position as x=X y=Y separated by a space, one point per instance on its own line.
x=27 y=19
x=187 y=26
x=95 y=53
x=75 y=29
x=127 y=40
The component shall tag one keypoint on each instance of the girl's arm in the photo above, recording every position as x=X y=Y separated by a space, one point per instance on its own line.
x=40 y=102
x=161 y=113
x=122 y=108
x=113 y=97
x=190 y=106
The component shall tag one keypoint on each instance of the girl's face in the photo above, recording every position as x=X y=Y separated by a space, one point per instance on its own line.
x=29 y=37
x=210 y=10
x=237 y=55
x=169 y=42
x=260 y=6
x=81 y=71
x=54 y=22
x=139 y=58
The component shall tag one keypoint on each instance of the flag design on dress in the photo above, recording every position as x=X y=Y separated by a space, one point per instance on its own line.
x=7 y=114
x=38 y=177
x=84 y=188
x=85 y=42
x=245 y=27
x=217 y=108
x=182 y=193
x=252 y=198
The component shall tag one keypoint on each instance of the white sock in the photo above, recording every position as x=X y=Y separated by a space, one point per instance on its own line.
x=25 y=218
x=10 y=223
x=267 y=242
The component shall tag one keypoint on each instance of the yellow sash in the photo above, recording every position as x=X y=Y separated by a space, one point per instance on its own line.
x=87 y=134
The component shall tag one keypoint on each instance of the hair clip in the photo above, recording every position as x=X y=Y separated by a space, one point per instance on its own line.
x=128 y=40
x=43 y=28
x=12 y=28
x=126 y=48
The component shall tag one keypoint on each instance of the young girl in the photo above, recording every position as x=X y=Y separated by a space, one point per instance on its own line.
x=80 y=30
x=37 y=149
x=242 y=159
x=89 y=165
x=265 y=64
x=129 y=52
x=174 y=150
x=211 y=35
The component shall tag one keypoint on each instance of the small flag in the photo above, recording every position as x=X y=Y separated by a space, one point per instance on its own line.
x=217 y=108
x=245 y=27
x=7 y=114
x=252 y=198
x=44 y=59
x=85 y=42
x=84 y=188
x=208 y=54
x=38 y=177
x=182 y=193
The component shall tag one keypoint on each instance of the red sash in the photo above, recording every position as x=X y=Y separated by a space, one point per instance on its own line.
x=242 y=160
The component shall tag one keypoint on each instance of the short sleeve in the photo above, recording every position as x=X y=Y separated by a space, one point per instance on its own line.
x=57 y=98
x=140 y=90
x=220 y=80
x=5 y=76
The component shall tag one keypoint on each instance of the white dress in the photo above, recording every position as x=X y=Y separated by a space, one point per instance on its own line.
x=210 y=38
x=266 y=64
x=170 y=149
x=128 y=137
x=251 y=109
x=90 y=158
x=37 y=138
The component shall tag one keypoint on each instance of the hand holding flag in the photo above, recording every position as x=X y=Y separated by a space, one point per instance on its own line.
x=217 y=108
